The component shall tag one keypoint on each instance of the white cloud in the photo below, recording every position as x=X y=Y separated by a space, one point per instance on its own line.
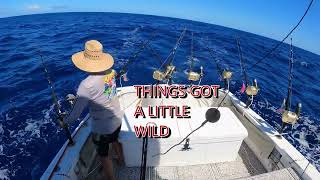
x=33 y=7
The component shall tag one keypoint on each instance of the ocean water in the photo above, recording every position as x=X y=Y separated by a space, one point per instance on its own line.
x=28 y=134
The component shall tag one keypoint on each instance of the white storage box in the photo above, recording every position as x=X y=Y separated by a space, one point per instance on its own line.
x=214 y=142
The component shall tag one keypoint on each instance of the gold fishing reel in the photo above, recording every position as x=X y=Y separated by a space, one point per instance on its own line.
x=160 y=76
x=226 y=74
x=194 y=76
x=253 y=90
x=290 y=117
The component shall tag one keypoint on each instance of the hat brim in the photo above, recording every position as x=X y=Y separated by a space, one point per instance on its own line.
x=89 y=65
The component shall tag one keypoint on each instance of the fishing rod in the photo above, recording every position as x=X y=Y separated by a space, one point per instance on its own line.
x=242 y=65
x=167 y=66
x=225 y=74
x=59 y=113
x=289 y=117
x=290 y=76
x=192 y=75
x=251 y=90
x=142 y=46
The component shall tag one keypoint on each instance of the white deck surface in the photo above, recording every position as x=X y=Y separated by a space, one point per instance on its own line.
x=246 y=165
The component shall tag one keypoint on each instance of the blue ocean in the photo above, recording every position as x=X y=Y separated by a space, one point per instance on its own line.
x=29 y=137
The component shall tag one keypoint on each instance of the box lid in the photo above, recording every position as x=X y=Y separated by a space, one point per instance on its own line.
x=228 y=127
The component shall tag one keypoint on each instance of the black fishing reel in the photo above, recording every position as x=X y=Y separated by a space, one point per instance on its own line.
x=164 y=75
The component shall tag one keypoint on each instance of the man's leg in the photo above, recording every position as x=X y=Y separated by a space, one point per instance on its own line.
x=102 y=143
x=107 y=168
x=118 y=150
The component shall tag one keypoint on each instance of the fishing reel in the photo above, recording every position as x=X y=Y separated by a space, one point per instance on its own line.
x=167 y=74
x=226 y=75
x=194 y=76
x=71 y=99
x=253 y=90
x=289 y=117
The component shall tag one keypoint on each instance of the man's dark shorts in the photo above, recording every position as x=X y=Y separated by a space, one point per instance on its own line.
x=102 y=141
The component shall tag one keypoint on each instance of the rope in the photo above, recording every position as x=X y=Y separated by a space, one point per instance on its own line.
x=277 y=45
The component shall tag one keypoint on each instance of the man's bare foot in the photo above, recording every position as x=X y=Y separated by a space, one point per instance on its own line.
x=119 y=153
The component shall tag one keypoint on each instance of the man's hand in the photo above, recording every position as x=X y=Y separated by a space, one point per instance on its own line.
x=63 y=124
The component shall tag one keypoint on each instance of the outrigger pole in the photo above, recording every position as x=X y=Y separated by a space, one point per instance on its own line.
x=56 y=104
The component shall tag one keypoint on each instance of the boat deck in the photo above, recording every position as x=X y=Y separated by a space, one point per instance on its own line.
x=246 y=166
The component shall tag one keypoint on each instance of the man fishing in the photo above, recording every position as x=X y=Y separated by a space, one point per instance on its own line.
x=98 y=92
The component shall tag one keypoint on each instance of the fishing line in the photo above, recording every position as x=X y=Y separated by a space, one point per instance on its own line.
x=277 y=45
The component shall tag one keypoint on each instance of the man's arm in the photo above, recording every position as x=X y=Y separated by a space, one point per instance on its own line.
x=81 y=102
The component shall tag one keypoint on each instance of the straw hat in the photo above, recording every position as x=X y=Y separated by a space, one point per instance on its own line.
x=92 y=59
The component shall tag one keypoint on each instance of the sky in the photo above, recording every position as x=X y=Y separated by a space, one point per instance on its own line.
x=270 y=18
